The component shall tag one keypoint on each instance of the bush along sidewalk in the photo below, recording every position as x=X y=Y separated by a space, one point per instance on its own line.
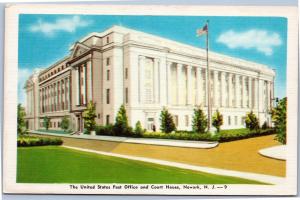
x=28 y=141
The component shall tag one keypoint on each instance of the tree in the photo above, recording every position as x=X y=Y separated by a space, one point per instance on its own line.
x=217 y=120
x=251 y=121
x=21 y=120
x=121 y=125
x=46 y=122
x=89 y=116
x=167 y=123
x=65 y=122
x=279 y=120
x=199 y=122
x=138 y=131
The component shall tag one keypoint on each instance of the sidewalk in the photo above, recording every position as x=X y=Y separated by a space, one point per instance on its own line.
x=277 y=152
x=150 y=141
x=252 y=176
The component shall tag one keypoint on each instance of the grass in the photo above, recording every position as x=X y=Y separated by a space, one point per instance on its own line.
x=54 y=164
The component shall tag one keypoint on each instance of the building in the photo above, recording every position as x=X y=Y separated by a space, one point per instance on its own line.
x=145 y=73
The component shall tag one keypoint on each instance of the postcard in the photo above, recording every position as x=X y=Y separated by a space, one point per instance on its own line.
x=156 y=100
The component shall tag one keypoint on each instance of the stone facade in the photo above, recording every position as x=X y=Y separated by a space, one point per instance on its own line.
x=145 y=73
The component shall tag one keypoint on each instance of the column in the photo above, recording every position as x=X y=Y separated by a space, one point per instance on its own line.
x=250 y=92
x=189 y=85
x=255 y=93
x=66 y=94
x=77 y=78
x=215 y=84
x=69 y=93
x=261 y=104
x=84 y=84
x=90 y=91
x=141 y=77
x=230 y=90
x=269 y=94
x=156 y=80
x=179 y=81
x=169 y=83
x=244 y=94
x=199 y=83
x=237 y=91
x=223 y=89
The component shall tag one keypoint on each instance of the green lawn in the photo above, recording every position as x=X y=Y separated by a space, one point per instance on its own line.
x=54 y=164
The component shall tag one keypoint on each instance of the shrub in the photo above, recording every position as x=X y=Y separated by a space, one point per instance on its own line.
x=37 y=141
x=138 y=131
x=279 y=120
x=217 y=120
x=251 y=121
x=121 y=127
x=89 y=116
x=104 y=130
x=199 y=122
x=264 y=126
x=167 y=123
x=46 y=122
x=65 y=122
x=21 y=120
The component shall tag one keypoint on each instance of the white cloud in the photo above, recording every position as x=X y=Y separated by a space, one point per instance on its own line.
x=67 y=24
x=261 y=40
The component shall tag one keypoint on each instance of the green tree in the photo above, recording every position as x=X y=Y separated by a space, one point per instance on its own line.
x=167 y=123
x=46 y=122
x=279 y=120
x=21 y=120
x=199 y=122
x=65 y=122
x=121 y=125
x=217 y=120
x=251 y=121
x=138 y=131
x=89 y=116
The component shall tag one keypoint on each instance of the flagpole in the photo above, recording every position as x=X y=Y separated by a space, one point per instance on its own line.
x=208 y=81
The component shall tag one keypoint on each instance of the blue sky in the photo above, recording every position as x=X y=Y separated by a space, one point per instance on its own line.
x=43 y=39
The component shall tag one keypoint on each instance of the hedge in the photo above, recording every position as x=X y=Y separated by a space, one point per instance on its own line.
x=27 y=141
x=222 y=136
x=238 y=134
x=181 y=136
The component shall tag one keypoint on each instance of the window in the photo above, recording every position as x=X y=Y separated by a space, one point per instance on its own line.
x=176 y=120
x=107 y=74
x=98 y=116
x=242 y=120
x=54 y=124
x=126 y=95
x=126 y=73
x=107 y=61
x=107 y=39
x=107 y=119
x=186 y=120
x=58 y=124
x=229 y=120
x=235 y=120
x=107 y=96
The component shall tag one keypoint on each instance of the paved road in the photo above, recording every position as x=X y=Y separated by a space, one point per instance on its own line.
x=239 y=155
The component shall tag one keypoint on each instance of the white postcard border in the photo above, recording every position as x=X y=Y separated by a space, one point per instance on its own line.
x=289 y=187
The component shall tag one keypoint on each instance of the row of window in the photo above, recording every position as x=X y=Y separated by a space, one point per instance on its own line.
x=51 y=124
x=53 y=72
x=55 y=107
